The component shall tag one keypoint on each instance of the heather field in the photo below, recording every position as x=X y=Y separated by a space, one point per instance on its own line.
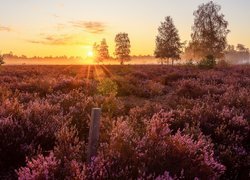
x=157 y=122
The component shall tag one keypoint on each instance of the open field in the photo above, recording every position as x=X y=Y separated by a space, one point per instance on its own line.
x=157 y=121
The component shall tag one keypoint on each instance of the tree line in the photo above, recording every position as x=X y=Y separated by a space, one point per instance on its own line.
x=208 y=39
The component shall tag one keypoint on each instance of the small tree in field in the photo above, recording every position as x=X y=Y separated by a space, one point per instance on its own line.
x=209 y=36
x=122 y=47
x=1 y=60
x=168 y=45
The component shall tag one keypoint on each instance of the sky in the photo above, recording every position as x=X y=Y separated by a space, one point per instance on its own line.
x=70 y=27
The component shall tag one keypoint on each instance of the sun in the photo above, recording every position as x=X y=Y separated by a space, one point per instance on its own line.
x=90 y=54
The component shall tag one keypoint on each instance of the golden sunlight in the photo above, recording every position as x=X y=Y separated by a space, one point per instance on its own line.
x=90 y=54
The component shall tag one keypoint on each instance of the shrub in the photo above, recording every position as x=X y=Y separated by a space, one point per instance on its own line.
x=222 y=64
x=207 y=63
x=190 y=63
x=107 y=87
x=171 y=77
x=41 y=167
x=158 y=151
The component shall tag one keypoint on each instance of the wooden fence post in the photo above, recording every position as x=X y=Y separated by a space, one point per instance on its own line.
x=94 y=131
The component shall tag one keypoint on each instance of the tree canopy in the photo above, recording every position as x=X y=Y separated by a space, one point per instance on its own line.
x=168 y=45
x=122 y=47
x=101 y=52
x=209 y=36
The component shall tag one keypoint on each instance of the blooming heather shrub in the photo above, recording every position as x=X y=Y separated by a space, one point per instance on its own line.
x=41 y=120
x=62 y=163
x=75 y=106
x=138 y=116
x=202 y=131
x=125 y=88
x=68 y=148
x=172 y=149
x=4 y=93
x=39 y=86
x=189 y=89
x=229 y=132
x=65 y=85
x=26 y=129
x=42 y=167
x=156 y=152
x=172 y=77
x=140 y=75
x=11 y=135
x=153 y=88
x=239 y=101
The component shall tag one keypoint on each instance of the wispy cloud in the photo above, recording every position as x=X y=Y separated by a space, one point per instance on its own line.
x=5 y=28
x=62 y=39
x=89 y=26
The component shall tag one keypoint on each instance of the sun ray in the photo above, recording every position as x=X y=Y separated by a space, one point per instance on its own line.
x=107 y=71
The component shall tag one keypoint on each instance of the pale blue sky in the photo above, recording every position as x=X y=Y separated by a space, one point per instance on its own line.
x=31 y=20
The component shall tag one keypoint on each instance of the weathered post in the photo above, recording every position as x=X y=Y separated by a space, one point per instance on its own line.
x=93 y=133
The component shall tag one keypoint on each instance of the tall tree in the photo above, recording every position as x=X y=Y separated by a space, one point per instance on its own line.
x=122 y=47
x=168 y=45
x=100 y=51
x=103 y=51
x=209 y=36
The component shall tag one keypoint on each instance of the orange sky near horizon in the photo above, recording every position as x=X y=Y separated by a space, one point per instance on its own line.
x=60 y=27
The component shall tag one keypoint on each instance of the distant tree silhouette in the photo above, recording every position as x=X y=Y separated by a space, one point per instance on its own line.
x=168 y=45
x=96 y=53
x=242 y=48
x=209 y=36
x=103 y=51
x=122 y=47
x=237 y=55
x=1 y=60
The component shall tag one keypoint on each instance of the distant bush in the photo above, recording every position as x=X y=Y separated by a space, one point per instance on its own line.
x=222 y=64
x=207 y=63
x=190 y=63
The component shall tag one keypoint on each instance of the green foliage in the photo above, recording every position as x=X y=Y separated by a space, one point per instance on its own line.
x=209 y=32
x=107 y=87
x=207 y=63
